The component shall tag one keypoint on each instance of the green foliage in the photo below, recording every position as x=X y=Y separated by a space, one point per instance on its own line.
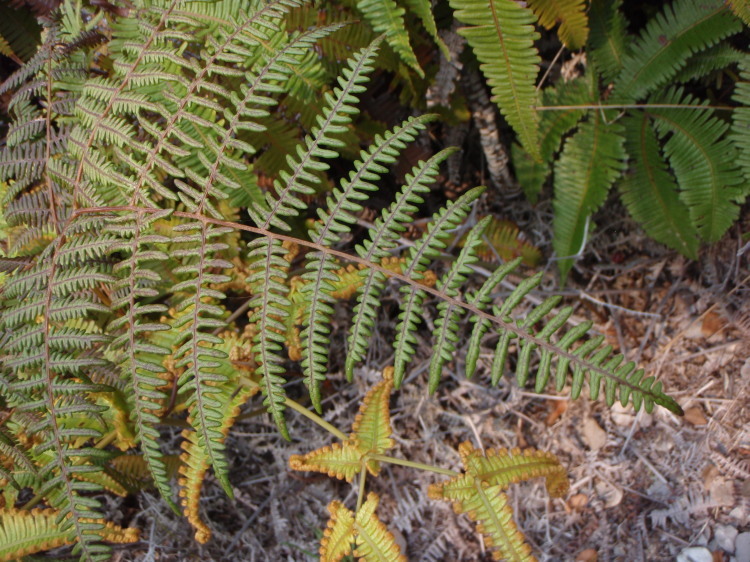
x=139 y=143
x=683 y=181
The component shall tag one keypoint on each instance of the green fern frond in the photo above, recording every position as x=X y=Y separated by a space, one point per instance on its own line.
x=502 y=35
x=387 y=17
x=481 y=299
x=553 y=126
x=608 y=41
x=300 y=180
x=427 y=248
x=445 y=334
x=704 y=161
x=684 y=28
x=141 y=359
x=741 y=119
x=382 y=237
x=650 y=192
x=707 y=62
x=570 y=14
x=198 y=317
x=272 y=305
x=591 y=160
x=337 y=218
x=589 y=362
x=423 y=10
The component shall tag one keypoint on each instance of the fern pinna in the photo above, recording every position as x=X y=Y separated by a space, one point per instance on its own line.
x=130 y=157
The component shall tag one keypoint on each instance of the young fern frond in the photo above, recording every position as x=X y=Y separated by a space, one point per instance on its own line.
x=478 y=492
x=502 y=35
x=372 y=539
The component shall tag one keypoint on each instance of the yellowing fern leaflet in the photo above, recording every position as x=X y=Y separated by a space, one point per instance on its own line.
x=372 y=539
x=478 y=492
x=570 y=14
x=339 y=534
x=374 y=542
x=370 y=436
x=27 y=532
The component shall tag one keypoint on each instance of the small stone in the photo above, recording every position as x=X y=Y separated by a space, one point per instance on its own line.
x=725 y=536
x=695 y=416
x=695 y=554
x=594 y=436
x=742 y=547
x=588 y=555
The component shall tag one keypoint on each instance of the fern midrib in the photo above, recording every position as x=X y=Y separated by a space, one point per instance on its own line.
x=416 y=285
x=490 y=510
x=49 y=377
x=528 y=133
